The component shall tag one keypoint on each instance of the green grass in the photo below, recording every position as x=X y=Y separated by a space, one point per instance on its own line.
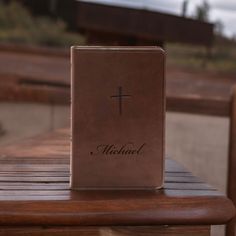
x=221 y=60
x=17 y=25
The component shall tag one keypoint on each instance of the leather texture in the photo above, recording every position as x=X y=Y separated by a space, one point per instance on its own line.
x=118 y=117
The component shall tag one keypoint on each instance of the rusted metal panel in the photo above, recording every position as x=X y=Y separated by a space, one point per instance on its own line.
x=142 y=24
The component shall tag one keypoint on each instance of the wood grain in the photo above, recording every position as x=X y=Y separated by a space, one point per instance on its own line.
x=109 y=231
x=34 y=190
x=231 y=231
x=198 y=105
x=44 y=93
x=35 y=50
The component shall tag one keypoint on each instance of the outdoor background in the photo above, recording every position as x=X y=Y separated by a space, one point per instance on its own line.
x=35 y=73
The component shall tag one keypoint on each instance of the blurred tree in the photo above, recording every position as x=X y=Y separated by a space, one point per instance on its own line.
x=219 y=28
x=202 y=11
x=184 y=8
x=18 y=25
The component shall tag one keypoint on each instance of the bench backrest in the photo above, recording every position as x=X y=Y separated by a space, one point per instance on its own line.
x=220 y=108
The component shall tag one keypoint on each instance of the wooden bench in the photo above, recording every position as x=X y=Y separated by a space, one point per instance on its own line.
x=218 y=107
x=35 y=198
x=54 y=90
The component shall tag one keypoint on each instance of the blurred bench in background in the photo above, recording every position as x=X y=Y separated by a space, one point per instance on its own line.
x=34 y=91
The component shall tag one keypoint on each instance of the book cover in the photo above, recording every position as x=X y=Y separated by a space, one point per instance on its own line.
x=118 y=117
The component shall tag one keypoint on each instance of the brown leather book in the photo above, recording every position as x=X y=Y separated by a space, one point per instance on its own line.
x=118 y=117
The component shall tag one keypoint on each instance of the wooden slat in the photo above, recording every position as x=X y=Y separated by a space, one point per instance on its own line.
x=56 y=95
x=199 y=105
x=231 y=186
x=65 y=186
x=34 y=190
x=51 y=95
x=34 y=168
x=109 y=231
x=36 y=94
x=114 y=209
x=34 y=50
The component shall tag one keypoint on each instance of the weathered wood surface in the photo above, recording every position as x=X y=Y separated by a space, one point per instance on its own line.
x=231 y=228
x=34 y=190
x=34 y=92
x=109 y=231
x=198 y=105
x=34 y=50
